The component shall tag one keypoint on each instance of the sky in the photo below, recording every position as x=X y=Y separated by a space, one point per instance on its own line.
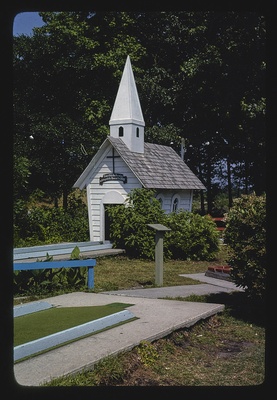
x=24 y=23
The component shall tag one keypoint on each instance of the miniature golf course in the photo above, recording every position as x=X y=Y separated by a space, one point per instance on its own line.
x=39 y=324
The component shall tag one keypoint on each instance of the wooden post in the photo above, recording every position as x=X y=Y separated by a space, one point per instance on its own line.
x=90 y=277
x=159 y=253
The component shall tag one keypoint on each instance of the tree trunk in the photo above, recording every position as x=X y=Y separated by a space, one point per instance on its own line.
x=209 y=187
x=65 y=199
x=202 y=201
x=230 y=197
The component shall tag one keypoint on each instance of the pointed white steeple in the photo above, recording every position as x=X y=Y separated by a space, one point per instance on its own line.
x=127 y=120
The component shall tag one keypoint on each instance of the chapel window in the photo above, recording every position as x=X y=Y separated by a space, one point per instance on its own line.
x=137 y=132
x=160 y=199
x=120 y=131
x=175 y=203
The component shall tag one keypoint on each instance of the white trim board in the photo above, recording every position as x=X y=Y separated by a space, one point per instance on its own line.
x=47 y=342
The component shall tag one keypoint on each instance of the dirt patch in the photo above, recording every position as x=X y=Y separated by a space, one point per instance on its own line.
x=145 y=377
x=231 y=348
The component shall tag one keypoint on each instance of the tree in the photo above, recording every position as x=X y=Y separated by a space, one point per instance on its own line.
x=200 y=68
x=49 y=122
x=21 y=174
x=226 y=67
x=245 y=236
x=64 y=87
x=200 y=76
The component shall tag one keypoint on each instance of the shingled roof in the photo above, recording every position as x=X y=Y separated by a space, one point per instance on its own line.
x=160 y=167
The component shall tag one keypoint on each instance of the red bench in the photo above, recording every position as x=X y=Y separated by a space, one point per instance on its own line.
x=218 y=221
x=225 y=269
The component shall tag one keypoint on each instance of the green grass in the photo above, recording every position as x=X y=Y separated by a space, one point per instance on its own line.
x=42 y=323
x=227 y=349
x=121 y=272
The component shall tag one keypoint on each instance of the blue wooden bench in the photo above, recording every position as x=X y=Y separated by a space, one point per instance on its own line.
x=89 y=263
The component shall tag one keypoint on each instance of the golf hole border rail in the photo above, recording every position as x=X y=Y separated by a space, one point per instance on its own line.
x=89 y=263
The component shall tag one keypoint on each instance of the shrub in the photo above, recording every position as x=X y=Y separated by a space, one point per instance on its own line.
x=192 y=236
x=43 y=281
x=45 y=224
x=245 y=235
x=129 y=228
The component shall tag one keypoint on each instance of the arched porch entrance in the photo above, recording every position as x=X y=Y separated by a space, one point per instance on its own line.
x=111 y=198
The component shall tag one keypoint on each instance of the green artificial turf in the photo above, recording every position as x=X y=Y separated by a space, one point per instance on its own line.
x=42 y=323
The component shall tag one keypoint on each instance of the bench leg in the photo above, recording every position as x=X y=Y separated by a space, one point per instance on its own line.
x=90 y=277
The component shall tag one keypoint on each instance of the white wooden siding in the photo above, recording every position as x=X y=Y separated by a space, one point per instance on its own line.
x=96 y=192
x=168 y=195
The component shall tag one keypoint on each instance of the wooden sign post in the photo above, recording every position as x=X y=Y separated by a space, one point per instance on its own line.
x=159 y=256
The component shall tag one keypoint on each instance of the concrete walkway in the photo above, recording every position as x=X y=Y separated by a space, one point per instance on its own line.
x=210 y=286
x=157 y=317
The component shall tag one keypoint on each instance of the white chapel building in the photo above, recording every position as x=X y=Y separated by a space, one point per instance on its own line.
x=124 y=162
